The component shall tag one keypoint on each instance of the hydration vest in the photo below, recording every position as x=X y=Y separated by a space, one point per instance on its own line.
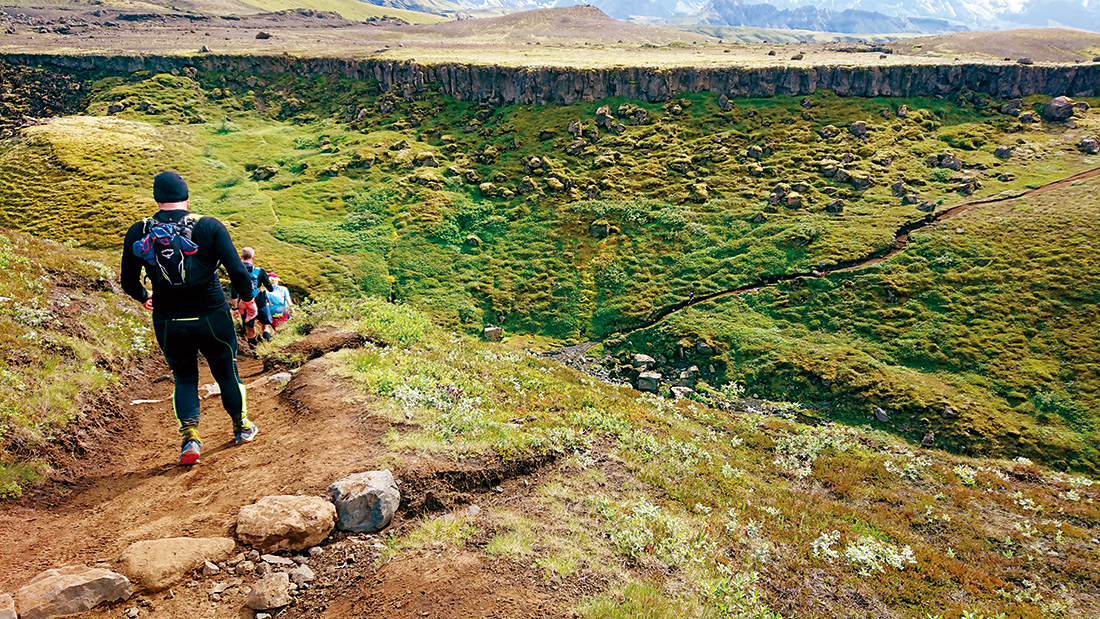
x=170 y=254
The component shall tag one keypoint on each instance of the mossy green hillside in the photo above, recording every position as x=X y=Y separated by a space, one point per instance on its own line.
x=55 y=359
x=698 y=511
x=484 y=215
x=980 y=332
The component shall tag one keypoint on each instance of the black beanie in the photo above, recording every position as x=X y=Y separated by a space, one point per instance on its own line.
x=169 y=187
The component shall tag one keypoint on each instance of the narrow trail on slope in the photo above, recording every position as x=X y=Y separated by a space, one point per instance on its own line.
x=901 y=241
x=141 y=493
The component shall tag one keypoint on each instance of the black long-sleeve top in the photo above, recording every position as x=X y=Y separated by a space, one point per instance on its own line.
x=204 y=297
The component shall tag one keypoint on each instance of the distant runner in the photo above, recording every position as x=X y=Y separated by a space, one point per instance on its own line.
x=258 y=282
x=279 y=302
x=180 y=253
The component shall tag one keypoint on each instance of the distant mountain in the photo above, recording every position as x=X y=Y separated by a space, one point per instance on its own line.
x=851 y=21
x=851 y=16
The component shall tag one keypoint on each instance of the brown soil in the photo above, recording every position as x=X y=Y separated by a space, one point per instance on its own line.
x=312 y=432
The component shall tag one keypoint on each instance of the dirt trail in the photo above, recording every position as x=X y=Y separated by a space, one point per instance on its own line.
x=312 y=432
x=143 y=494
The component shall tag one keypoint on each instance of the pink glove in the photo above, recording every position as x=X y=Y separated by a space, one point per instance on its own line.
x=248 y=309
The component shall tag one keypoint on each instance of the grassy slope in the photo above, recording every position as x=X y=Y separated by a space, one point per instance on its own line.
x=349 y=209
x=55 y=358
x=693 y=511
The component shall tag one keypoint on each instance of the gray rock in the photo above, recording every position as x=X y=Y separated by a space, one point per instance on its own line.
x=366 y=502
x=473 y=510
x=881 y=415
x=158 y=564
x=133 y=612
x=492 y=333
x=282 y=378
x=271 y=591
x=858 y=129
x=599 y=229
x=315 y=551
x=262 y=616
x=680 y=392
x=1090 y=145
x=209 y=569
x=929 y=440
x=7 y=606
x=263 y=569
x=69 y=590
x=1003 y=152
x=644 y=362
x=277 y=560
x=1058 y=109
x=1013 y=107
x=301 y=574
x=245 y=567
x=253 y=555
x=285 y=522
x=648 y=381
x=704 y=348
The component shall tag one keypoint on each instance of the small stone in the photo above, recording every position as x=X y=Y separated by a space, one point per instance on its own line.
x=209 y=569
x=473 y=510
x=133 y=612
x=492 y=333
x=315 y=551
x=263 y=616
x=263 y=569
x=271 y=591
x=245 y=567
x=300 y=560
x=929 y=440
x=881 y=415
x=237 y=559
x=277 y=560
x=301 y=574
x=253 y=555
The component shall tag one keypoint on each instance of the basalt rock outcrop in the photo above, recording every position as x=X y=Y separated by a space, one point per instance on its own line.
x=498 y=85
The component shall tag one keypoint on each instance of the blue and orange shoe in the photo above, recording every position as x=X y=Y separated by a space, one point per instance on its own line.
x=190 y=453
x=245 y=433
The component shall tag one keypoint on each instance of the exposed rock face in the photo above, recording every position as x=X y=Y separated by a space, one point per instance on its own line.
x=157 y=564
x=271 y=591
x=70 y=590
x=498 y=85
x=286 y=522
x=365 y=502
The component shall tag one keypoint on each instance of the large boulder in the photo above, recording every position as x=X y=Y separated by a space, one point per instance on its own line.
x=271 y=591
x=1058 y=109
x=7 y=606
x=69 y=590
x=157 y=564
x=365 y=502
x=286 y=522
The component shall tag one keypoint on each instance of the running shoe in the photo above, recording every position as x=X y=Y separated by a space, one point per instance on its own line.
x=245 y=433
x=190 y=453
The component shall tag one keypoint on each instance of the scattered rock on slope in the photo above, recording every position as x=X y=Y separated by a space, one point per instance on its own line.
x=365 y=502
x=70 y=590
x=271 y=591
x=1058 y=109
x=157 y=564
x=286 y=522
